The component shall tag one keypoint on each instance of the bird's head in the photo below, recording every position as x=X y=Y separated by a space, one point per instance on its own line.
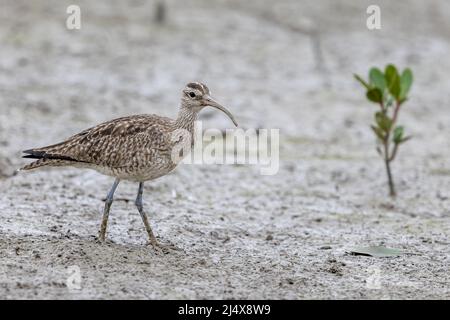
x=196 y=96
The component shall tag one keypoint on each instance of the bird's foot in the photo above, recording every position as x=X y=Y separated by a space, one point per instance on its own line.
x=162 y=248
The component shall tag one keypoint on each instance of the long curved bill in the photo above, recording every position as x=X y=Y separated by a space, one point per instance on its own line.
x=209 y=101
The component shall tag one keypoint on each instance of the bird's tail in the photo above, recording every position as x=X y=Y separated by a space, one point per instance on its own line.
x=44 y=159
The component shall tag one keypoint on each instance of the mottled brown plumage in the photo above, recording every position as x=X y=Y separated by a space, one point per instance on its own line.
x=136 y=148
x=128 y=148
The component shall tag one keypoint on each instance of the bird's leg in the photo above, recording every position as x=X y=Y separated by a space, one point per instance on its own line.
x=140 y=208
x=151 y=236
x=108 y=202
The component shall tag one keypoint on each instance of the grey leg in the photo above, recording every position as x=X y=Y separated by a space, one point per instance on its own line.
x=140 y=208
x=151 y=236
x=108 y=202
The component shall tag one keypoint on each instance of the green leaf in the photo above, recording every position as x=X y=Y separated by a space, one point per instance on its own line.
x=390 y=72
x=393 y=81
x=377 y=79
x=406 y=81
x=398 y=135
x=374 y=95
x=395 y=89
x=365 y=84
x=378 y=132
x=376 y=251
x=383 y=121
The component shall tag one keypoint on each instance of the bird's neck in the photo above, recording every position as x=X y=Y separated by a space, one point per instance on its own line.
x=186 y=119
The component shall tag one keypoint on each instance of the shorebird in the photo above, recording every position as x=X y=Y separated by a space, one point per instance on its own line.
x=136 y=148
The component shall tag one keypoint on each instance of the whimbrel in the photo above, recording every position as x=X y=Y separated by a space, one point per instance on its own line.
x=136 y=148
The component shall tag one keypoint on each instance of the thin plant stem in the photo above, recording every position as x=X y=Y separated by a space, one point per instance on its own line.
x=389 y=156
x=387 y=162
x=392 y=192
x=397 y=109
x=394 y=153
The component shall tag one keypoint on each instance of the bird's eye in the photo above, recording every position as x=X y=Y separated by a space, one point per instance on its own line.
x=192 y=94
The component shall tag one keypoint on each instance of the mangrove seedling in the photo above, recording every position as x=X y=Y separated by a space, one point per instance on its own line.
x=389 y=90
